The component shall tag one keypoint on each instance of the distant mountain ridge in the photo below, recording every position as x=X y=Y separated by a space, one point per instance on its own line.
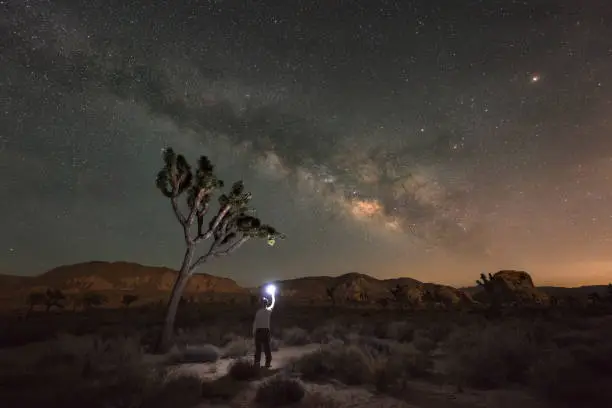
x=353 y=286
x=98 y=276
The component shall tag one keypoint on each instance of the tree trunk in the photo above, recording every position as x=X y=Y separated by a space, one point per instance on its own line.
x=165 y=339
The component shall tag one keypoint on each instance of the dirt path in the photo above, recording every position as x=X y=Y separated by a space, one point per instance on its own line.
x=216 y=370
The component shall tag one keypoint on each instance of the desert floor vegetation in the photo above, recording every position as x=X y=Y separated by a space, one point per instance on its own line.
x=361 y=358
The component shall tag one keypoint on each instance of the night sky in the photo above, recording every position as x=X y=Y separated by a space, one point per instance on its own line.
x=430 y=139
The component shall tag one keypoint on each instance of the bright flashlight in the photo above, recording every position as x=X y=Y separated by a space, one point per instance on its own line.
x=271 y=290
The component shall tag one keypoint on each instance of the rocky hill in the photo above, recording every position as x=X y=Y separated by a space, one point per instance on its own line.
x=120 y=276
x=359 y=288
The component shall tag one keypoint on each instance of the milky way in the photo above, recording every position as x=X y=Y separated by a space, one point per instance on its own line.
x=392 y=138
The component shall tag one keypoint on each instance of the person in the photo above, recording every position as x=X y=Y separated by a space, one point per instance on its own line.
x=261 y=333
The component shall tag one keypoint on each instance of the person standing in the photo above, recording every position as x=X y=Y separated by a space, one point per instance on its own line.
x=261 y=333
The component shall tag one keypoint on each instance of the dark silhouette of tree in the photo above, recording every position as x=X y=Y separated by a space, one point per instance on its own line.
x=92 y=299
x=594 y=298
x=330 y=292
x=127 y=300
x=228 y=229
x=399 y=295
x=54 y=298
x=486 y=282
x=35 y=299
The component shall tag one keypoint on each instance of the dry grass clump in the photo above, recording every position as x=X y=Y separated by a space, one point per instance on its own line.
x=493 y=355
x=89 y=371
x=295 y=336
x=243 y=370
x=238 y=347
x=579 y=376
x=279 y=391
x=380 y=363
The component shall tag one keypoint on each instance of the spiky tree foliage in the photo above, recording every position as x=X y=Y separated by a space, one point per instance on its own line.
x=486 y=283
x=399 y=295
x=54 y=298
x=190 y=193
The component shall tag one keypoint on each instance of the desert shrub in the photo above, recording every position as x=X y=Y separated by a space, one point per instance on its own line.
x=206 y=353
x=295 y=336
x=279 y=391
x=423 y=342
x=175 y=391
x=238 y=347
x=243 y=370
x=491 y=356
x=440 y=331
x=320 y=400
x=578 y=377
x=400 y=331
x=328 y=332
x=351 y=365
x=90 y=371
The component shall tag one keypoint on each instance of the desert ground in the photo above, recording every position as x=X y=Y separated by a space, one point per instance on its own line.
x=325 y=356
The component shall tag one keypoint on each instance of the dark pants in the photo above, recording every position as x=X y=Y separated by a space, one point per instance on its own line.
x=262 y=343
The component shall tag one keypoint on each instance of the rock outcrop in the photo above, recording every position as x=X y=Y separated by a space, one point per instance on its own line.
x=509 y=286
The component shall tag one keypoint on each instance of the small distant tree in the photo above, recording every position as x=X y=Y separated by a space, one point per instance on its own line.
x=35 y=299
x=92 y=299
x=594 y=298
x=228 y=229
x=488 y=284
x=399 y=295
x=127 y=300
x=331 y=291
x=54 y=298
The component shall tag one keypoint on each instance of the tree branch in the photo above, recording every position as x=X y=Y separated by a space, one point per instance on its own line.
x=213 y=254
x=211 y=230
x=177 y=211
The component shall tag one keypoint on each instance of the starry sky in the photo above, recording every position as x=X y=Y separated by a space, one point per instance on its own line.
x=430 y=139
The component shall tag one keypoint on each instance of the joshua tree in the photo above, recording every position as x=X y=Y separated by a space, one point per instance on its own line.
x=54 y=297
x=35 y=299
x=331 y=294
x=228 y=229
x=127 y=300
x=594 y=298
x=487 y=284
x=399 y=295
